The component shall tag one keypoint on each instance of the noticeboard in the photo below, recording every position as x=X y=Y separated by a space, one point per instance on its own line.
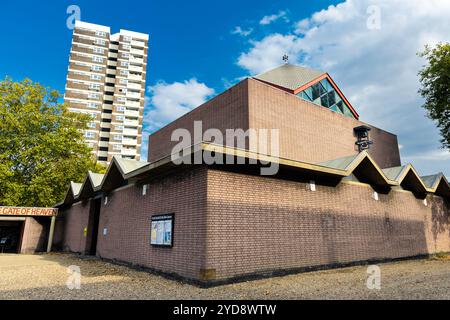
x=162 y=230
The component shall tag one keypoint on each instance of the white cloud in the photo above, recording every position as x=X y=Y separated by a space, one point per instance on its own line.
x=430 y=162
x=376 y=68
x=268 y=53
x=274 y=17
x=435 y=155
x=168 y=102
x=242 y=32
x=302 y=26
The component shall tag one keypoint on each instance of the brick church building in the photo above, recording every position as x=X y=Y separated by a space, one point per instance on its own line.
x=340 y=196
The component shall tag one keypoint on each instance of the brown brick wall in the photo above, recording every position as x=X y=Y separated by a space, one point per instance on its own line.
x=230 y=224
x=438 y=225
x=127 y=217
x=227 y=110
x=35 y=234
x=257 y=224
x=307 y=132
x=75 y=220
x=311 y=133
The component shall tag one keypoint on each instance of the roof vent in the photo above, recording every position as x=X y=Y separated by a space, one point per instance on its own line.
x=362 y=134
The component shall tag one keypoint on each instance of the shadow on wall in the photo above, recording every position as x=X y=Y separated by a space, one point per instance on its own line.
x=248 y=238
x=70 y=228
x=256 y=225
x=280 y=226
x=35 y=237
x=440 y=211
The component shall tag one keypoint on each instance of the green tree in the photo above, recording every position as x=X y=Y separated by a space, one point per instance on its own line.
x=435 y=80
x=41 y=145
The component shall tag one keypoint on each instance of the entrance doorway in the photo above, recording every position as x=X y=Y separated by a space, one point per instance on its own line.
x=11 y=236
x=94 y=219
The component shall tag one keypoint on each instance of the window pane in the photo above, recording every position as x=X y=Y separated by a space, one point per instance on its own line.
x=317 y=101
x=340 y=105
x=323 y=94
x=331 y=98
x=308 y=91
x=317 y=91
x=347 y=112
x=337 y=98
x=305 y=96
x=327 y=85
x=324 y=101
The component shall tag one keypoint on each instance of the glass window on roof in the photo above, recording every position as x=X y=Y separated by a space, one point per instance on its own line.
x=327 y=85
x=323 y=94
x=335 y=109
x=305 y=96
x=317 y=90
x=308 y=91
x=331 y=98
x=324 y=101
x=340 y=106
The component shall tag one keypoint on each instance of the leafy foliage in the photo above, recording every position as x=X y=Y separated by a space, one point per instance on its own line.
x=41 y=145
x=435 y=80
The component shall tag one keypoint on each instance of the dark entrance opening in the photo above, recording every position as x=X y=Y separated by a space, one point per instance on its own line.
x=11 y=236
x=94 y=219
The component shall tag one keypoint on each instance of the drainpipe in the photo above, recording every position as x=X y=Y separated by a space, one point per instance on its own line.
x=50 y=235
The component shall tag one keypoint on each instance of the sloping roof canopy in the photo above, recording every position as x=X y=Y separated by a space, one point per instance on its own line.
x=91 y=184
x=443 y=188
x=290 y=76
x=343 y=163
x=363 y=167
x=126 y=165
x=407 y=177
x=117 y=171
x=75 y=188
x=72 y=192
x=438 y=184
x=433 y=180
x=360 y=165
x=294 y=79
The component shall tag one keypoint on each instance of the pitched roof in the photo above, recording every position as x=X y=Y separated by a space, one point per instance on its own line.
x=432 y=181
x=75 y=188
x=118 y=170
x=394 y=173
x=91 y=184
x=290 y=76
x=407 y=177
x=437 y=183
x=363 y=167
x=96 y=179
x=294 y=79
x=127 y=165
x=340 y=163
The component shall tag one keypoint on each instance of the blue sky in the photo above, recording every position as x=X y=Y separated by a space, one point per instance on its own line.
x=187 y=38
x=199 y=48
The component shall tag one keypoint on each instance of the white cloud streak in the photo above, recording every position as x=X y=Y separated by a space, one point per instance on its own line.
x=242 y=32
x=266 y=20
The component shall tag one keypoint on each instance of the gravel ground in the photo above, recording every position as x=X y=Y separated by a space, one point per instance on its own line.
x=45 y=276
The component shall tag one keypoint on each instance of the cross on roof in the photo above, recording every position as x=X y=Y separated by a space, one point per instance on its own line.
x=285 y=58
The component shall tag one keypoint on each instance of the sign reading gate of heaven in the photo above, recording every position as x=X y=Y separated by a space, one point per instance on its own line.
x=27 y=211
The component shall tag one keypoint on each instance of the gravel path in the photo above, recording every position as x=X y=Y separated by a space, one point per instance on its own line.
x=45 y=276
